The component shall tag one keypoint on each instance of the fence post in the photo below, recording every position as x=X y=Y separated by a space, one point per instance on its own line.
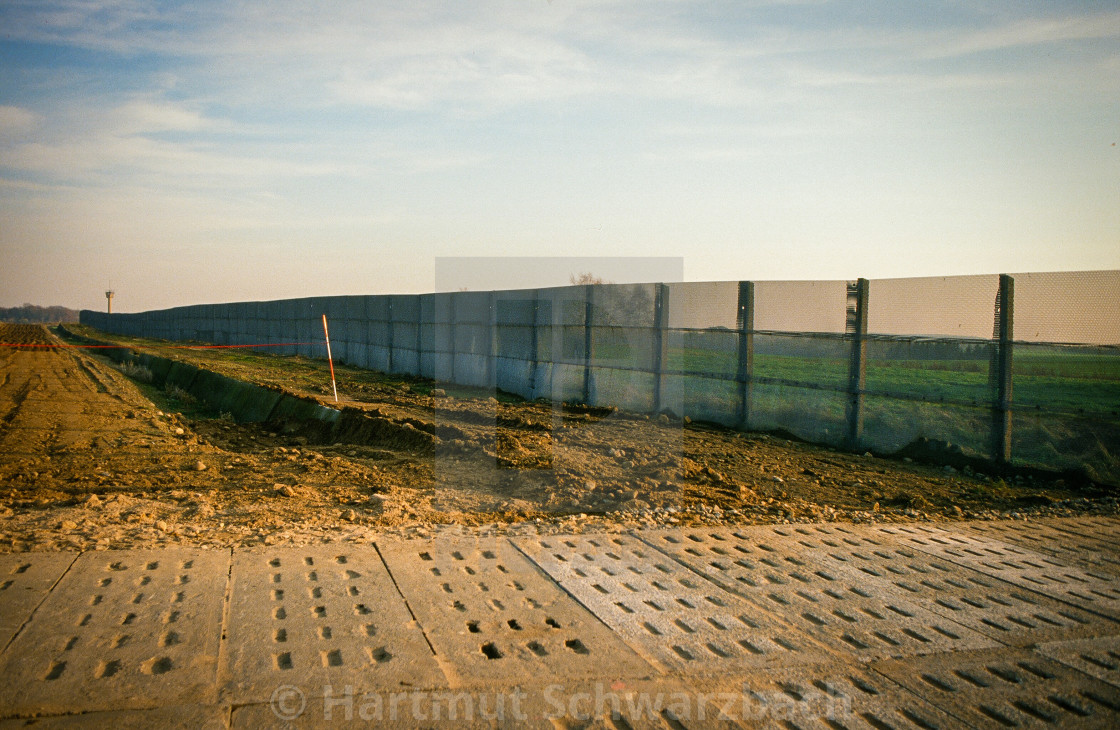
x=492 y=346
x=588 y=313
x=857 y=363
x=534 y=346
x=420 y=335
x=745 y=371
x=1001 y=405
x=660 y=344
x=389 y=330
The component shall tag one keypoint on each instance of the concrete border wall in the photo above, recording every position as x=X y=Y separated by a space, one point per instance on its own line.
x=696 y=350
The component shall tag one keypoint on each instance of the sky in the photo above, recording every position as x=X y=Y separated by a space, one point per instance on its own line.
x=231 y=150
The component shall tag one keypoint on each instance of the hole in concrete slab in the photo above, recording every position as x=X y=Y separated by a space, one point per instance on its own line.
x=468 y=570
x=95 y=600
x=278 y=595
x=128 y=619
x=173 y=616
x=276 y=577
x=180 y=597
x=624 y=607
x=683 y=653
x=491 y=651
x=537 y=649
x=324 y=632
x=108 y=669
x=70 y=644
x=171 y=638
x=280 y=613
x=319 y=611
x=425 y=556
x=651 y=628
x=717 y=650
x=577 y=646
x=380 y=655
x=118 y=566
x=551 y=622
x=436 y=572
x=104 y=582
x=513 y=624
x=457 y=555
x=599 y=588
x=488 y=554
x=684 y=627
x=341 y=560
x=750 y=647
x=316 y=592
x=56 y=670
x=472 y=626
x=313 y=576
x=371 y=630
x=332 y=658
x=275 y=562
x=458 y=606
x=353 y=590
x=280 y=636
x=22 y=569
x=309 y=561
x=159 y=665
x=283 y=661
x=142 y=582
x=138 y=598
x=183 y=579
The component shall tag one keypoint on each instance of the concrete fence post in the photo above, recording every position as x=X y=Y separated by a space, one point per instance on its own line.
x=534 y=345
x=1003 y=364
x=745 y=371
x=588 y=314
x=857 y=363
x=390 y=334
x=492 y=342
x=660 y=344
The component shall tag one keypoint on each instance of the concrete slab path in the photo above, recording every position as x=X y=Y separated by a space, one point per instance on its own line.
x=1008 y=624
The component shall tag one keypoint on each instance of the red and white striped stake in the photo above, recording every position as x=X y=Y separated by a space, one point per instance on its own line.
x=329 y=358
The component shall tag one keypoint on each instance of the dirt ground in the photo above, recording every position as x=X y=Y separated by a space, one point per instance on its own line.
x=93 y=458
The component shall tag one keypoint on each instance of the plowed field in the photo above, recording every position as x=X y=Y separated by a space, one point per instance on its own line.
x=93 y=458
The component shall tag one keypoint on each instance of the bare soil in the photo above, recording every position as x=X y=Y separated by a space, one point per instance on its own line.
x=92 y=458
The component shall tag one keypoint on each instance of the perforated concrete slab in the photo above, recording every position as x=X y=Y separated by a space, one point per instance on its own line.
x=122 y=630
x=1010 y=688
x=166 y=718
x=1092 y=546
x=1098 y=657
x=25 y=580
x=492 y=616
x=670 y=614
x=1096 y=591
x=662 y=704
x=999 y=610
x=319 y=617
x=832 y=696
x=852 y=615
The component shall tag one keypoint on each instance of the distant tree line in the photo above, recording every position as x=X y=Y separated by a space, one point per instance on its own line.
x=32 y=314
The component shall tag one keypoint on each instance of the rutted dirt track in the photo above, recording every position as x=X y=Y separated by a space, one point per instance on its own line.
x=92 y=458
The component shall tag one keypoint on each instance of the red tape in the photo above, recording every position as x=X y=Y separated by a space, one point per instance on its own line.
x=162 y=347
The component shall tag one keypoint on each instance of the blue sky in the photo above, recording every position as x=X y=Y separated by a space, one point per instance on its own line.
x=220 y=151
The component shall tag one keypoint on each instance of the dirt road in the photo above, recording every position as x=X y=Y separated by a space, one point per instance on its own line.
x=90 y=458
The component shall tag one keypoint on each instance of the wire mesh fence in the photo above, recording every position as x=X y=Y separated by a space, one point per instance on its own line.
x=1023 y=369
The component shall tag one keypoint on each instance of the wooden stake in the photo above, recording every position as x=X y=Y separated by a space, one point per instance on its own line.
x=329 y=358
